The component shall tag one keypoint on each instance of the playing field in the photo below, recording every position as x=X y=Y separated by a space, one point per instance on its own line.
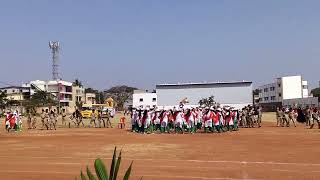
x=265 y=153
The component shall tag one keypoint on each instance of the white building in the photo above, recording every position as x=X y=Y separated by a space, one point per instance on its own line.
x=235 y=94
x=90 y=98
x=285 y=88
x=143 y=99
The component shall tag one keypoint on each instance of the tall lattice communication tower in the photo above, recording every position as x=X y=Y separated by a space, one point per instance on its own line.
x=55 y=47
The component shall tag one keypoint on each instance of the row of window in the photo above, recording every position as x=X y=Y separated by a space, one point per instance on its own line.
x=153 y=99
x=13 y=91
x=267 y=89
x=272 y=98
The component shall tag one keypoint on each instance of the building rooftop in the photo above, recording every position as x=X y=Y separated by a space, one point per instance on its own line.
x=206 y=83
x=14 y=87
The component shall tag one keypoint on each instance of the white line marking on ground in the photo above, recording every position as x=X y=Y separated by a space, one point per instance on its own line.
x=176 y=160
x=193 y=177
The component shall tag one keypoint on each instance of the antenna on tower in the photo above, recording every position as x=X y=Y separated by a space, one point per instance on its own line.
x=55 y=47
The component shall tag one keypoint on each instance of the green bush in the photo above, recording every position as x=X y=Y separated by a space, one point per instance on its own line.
x=101 y=170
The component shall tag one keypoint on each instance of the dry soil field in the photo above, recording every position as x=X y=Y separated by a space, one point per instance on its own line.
x=265 y=153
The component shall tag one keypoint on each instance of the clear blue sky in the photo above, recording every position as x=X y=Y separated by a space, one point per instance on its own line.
x=145 y=42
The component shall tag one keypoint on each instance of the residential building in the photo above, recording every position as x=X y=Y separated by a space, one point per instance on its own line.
x=284 y=88
x=237 y=94
x=16 y=93
x=61 y=90
x=90 y=98
x=142 y=98
x=78 y=95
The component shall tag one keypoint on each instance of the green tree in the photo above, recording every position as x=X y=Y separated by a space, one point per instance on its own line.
x=120 y=94
x=316 y=92
x=3 y=100
x=79 y=104
x=77 y=83
x=207 y=102
x=41 y=99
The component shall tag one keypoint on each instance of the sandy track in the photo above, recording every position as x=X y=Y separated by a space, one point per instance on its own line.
x=265 y=153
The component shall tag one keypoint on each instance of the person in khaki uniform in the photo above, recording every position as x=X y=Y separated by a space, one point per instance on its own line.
x=279 y=119
x=308 y=116
x=243 y=118
x=43 y=117
x=291 y=114
x=63 y=118
x=52 y=120
x=315 y=117
x=93 y=118
x=29 y=119
x=34 y=121
x=282 y=117
x=108 y=119
x=259 y=120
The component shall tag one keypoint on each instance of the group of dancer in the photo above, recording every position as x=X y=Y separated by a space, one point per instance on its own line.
x=308 y=115
x=184 y=120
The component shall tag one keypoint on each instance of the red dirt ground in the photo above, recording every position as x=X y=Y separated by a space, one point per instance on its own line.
x=266 y=153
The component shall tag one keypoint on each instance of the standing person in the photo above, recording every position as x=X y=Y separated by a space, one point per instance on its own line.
x=34 y=120
x=291 y=115
x=229 y=119
x=285 y=121
x=221 y=119
x=316 y=117
x=108 y=119
x=52 y=120
x=93 y=119
x=235 y=117
x=43 y=117
x=179 y=118
x=18 y=121
x=190 y=120
x=29 y=119
x=113 y=113
x=309 y=114
x=216 y=121
x=12 y=120
x=198 y=113
x=156 y=120
x=207 y=119
x=278 y=116
x=164 y=117
x=7 y=122
x=259 y=116
x=243 y=117
x=47 y=119
x=134 y=120
x=63 y=118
